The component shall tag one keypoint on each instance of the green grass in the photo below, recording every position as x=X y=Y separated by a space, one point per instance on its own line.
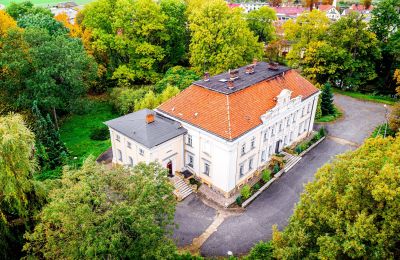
x=44 y=3
x=76 y=129
x=368 y=97
x=330 y=118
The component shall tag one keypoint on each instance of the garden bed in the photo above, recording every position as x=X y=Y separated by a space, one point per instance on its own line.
x=299 y=148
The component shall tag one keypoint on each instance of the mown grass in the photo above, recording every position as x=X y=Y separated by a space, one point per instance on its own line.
x=76 y=129
x=44 y=3
x=330 y=118
x=368 y=97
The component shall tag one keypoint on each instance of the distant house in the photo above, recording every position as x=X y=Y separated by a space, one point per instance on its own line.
x=248 y=6
x=223 y=129
x=331 y=11
x=365 y=12
x=285 y=13
x=71 y=9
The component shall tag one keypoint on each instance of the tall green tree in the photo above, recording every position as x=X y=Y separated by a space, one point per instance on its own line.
x=351 y=210
x=128 y=38
x=50 y=150
x=327 y=107
x=261 y=23
x=176 y=46
x=17 y=10
x=54 y=70
x=385 y=23
x=220 y=38
x=42 y=21
x=177 y=76
x=20 y=195
x=101 y=213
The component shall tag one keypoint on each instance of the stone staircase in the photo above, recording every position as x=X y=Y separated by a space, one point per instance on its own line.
x=291 y=160
x=182 y=190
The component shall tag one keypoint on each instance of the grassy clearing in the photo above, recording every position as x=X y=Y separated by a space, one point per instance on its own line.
x=330 y=118
x=368 y=97
x=76 y=129
x=44 y=3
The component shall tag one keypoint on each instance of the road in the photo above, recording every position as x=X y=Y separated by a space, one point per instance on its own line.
x=275 y=205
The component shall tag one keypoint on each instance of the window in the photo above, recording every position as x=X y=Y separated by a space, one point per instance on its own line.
x=118 y=138
x=270 y=150
x=207 y=168
x=241 y=170
x=288 y=121
x=263 y=156
x=302 y=111
x=190 y=160
x=291 y=137
x=119 y=155
x=300 y=128
x=141 y=151
x=129 y=145
x=306 y=125
x=253 y=143
x=266 y=135
x=309 y=108
x=189 y=140
x=130 y=161
x=250 y=164
x=280 y=126
x=272 y=131
x=294 y=117
x=243 y=151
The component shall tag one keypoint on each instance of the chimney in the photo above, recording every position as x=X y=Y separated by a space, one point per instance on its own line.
x=206 y=76
x=250 y=69
x=149 y=118
x=230 y=84
x=273 y=66
x=233 y=74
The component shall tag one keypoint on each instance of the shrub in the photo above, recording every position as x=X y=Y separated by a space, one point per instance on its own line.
x=239 y=200
x=100 y=134
x=266 y=175
x=322 y=131
x=276 y=169
x=124 y=99
x=245 y=192
x=256 y=186
x=177 y=76
x=263 y=250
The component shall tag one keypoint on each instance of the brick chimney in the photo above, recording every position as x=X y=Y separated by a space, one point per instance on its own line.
x=206 y=76
x=230 y=84
x=233 y=74
x=150 y=118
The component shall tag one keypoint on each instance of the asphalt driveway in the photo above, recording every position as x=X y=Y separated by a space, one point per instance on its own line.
x=275 y=205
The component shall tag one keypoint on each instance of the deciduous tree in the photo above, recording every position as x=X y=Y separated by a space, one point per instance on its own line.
x=103 y=213
x=177 y=76
x=261 y=23
x=351 y=210
x=17 y=10
x=6 y=23
x=221 y=39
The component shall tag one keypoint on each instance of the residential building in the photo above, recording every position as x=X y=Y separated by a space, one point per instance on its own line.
x=222 y=128
x=331 y=11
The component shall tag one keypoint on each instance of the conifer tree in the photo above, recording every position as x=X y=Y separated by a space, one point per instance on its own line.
x=50 y=150
x=327 y=107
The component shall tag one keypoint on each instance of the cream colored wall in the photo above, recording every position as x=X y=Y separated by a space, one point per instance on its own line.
x=170 y=150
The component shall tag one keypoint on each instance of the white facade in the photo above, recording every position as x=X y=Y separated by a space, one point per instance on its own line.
x=227 y=164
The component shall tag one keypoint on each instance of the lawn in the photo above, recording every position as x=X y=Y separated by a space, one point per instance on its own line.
x=44 y=2
x=76 y=129
x=368 y=97
x=330 y=118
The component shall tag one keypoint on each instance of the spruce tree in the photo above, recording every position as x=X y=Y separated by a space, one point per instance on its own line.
x=327 y=107
x=50 y=150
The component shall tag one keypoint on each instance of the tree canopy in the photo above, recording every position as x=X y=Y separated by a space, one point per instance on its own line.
x=103 y=213
x=220 y=38
x=6 y=23
x=351 y=210
x=260 y=22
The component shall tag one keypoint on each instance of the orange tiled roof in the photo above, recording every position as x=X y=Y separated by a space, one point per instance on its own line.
x=324 y=8
x=230 y=116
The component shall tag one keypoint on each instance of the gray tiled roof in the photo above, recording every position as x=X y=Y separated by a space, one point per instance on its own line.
x=134 y=126
x=262 y=72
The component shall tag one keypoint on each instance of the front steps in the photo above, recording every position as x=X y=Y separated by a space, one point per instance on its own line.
x=182 y=190
x=291 y=161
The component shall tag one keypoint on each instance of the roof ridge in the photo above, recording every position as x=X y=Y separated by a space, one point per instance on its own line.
x=229 y=116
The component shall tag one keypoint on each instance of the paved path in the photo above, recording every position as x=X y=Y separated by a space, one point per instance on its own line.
x=275 y=205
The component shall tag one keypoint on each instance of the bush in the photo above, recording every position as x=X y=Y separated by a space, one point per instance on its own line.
x=263 y=250
x=276 y=169
x=123 y=100
x=322 y=131
x=245 y=192
x=239 y=200
x=177 y=76
x=266 y=175
x=100 y=134
x=256 y=186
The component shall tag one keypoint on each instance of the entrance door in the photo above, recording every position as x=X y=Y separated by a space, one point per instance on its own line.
x=169 y=167
x=278 y=146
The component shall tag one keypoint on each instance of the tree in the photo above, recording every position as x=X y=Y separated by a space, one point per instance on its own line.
x=125 y=99
x=19 y=196
x=6 y=23
x=107 y=213
x=220 y=39
x=50 y=150
x=327 y=107
x=261 y=23
x=176 y=26
x=367 y=4
x=17 y=10
x=308 y=27
x=275 y=3
x=177 y=76
x=351 y=210
x=130 y=49
x=262 y=250
x=385 y=23
x=54 y=70
x=42 y=21
x=394 y=118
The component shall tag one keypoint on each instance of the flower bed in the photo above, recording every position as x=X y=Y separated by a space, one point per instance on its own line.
x=304 y=145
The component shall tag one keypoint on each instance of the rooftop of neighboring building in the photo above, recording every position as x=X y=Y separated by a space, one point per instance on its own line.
x=289 y=10
x=147 y=127
x=233 y=112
